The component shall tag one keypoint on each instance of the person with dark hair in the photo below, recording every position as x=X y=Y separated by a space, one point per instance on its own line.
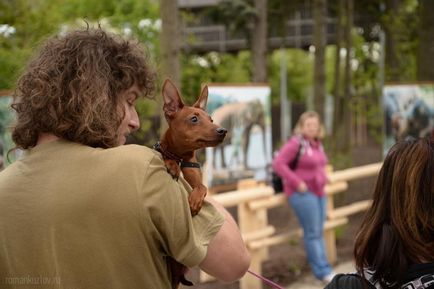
x=82 y=210
x=394 y=247
x=301 y=164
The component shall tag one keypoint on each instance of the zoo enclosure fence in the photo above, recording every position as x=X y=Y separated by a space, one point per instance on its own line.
x=253 y=199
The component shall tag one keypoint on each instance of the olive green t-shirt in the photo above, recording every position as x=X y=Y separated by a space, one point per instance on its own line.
x=77 y=217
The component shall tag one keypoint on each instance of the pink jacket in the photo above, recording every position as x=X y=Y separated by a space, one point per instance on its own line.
x=310 y=167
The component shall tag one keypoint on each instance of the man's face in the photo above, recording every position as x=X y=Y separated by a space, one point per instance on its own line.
x=131 y=120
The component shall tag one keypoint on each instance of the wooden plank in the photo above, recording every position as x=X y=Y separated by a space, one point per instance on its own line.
x=330 y=236
x=259 y=234
x=6 y=92
x=281 y=199
x=269 y=202
x=234 y=198
x=248 y=281
x=336 y=187
x=351 y=209
x=286 y=237
x=355 y=173
x=219 y=189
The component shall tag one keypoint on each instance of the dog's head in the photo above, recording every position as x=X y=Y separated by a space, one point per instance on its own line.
x=190 y=126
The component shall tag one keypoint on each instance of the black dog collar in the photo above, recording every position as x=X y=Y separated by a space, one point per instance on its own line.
x=190 y=165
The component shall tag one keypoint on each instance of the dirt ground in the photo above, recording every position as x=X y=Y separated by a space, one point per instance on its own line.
x=287 y=262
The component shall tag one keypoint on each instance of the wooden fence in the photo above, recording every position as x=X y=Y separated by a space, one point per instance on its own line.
x=253 y=199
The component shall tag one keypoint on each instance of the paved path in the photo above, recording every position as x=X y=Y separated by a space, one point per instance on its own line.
x=310 y=282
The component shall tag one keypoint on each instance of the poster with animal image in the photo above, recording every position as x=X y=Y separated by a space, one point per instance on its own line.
x=6 y=117
x=408 y=111
x=244 y=110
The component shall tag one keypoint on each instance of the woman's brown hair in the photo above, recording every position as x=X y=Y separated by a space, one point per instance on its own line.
x=72 y=88
x=398 y=230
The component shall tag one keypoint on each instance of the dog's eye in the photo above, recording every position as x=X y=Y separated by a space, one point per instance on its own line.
x=194 y=119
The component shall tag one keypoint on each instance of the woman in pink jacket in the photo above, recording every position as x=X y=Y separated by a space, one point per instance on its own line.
x=304 y=187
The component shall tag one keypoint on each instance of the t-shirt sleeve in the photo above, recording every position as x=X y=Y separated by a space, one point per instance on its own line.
x=166 y=215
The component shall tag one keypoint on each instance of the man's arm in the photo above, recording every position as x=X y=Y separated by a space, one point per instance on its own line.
x=227 y=257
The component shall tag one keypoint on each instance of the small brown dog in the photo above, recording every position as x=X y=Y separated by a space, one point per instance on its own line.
x=190 y=128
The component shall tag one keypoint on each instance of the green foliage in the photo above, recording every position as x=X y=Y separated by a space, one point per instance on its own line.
x=212 y=68
x=339 y=160
x=31 y=21
x=279 y=11
x=34 y=20
x=11 y=63
x=299 y=73
x=146 y=134
x=235 y=14
x=402 y=25
x=367 y=94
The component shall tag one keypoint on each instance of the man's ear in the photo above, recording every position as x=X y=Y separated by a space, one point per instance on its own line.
x=203 y=98
x=171 y=97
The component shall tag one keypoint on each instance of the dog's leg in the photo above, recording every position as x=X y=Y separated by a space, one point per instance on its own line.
x=178 y=272
x=194 y=177
x=173 y=168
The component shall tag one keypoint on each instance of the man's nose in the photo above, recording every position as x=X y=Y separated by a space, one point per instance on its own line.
x=134 y=121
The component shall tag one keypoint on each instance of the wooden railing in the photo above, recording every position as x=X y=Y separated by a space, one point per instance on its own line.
x=253 y=199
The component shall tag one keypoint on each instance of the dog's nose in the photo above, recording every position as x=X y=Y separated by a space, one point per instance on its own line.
x=221 y=131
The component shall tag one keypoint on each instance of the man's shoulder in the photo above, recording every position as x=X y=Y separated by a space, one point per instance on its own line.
x=134 y=150
x=134 y=154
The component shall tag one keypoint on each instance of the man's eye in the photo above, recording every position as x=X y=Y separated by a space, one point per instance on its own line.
x=194 y=119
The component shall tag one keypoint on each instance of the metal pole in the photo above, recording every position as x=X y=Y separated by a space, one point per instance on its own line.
x=381 y=79
x=285 y=119
x=381 y=85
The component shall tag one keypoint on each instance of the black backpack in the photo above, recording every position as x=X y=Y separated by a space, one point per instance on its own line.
x=276 y=180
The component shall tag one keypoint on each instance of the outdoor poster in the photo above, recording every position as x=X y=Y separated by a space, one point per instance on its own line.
x=6 y=117
x=408 y=111
x=246 y=151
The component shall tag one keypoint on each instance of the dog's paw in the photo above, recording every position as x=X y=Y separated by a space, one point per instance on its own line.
x=196 y=198
x=173 y=168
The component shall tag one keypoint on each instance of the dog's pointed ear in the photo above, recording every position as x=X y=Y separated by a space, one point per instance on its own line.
x=171 y=97
x=203 y=98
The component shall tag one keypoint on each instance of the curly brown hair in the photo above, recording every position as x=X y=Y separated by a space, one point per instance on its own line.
x=72 y=88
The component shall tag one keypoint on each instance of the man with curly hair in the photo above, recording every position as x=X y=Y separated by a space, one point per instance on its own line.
x=80 y=209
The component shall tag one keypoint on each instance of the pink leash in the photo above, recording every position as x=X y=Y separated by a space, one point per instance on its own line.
x=265 y=280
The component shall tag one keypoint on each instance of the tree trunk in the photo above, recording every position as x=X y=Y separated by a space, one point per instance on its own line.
x=337 y=91
x=342 y=121
x=170 y=48
x=346 y=136
x=392 y=30
x=425 y=71
x=320 y=30
x=259 y=42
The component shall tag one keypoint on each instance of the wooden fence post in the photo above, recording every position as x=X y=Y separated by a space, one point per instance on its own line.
x=254 y=199
x=250 y=221
x=329 y=235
